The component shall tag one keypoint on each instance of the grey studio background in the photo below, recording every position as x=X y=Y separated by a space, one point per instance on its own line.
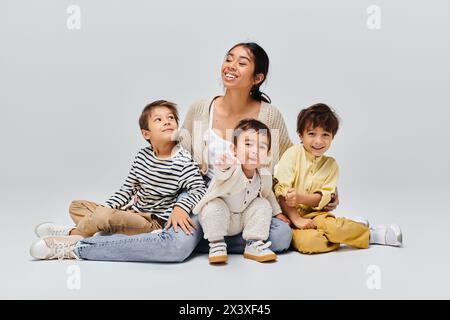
x=70 y=100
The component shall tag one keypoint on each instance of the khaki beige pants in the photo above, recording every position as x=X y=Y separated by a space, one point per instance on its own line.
x=330 y=233
x=91 y=217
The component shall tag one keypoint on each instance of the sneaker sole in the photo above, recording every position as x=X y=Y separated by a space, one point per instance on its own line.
x=266 y=258
x=218 y=259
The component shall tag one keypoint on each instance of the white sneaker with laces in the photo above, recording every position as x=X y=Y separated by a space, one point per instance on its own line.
x=55 y=247
x=46 y=229
x=218 y=252
x=388 y=235
x=259 y=251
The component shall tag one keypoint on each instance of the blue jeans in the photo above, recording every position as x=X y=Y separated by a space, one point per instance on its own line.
x=169 y=246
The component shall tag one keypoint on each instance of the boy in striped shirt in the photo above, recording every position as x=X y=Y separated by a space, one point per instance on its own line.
x=149 y=196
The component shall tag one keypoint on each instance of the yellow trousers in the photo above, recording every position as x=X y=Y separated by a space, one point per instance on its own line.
x=330 y=233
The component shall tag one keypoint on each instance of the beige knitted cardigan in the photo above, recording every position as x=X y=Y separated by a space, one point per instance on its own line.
x=194 y=133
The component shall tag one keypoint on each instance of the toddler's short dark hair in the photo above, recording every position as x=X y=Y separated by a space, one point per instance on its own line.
x=318 y=115
x=251 y=124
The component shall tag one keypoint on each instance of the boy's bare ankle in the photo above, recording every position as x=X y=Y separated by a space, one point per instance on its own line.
x=75 y=232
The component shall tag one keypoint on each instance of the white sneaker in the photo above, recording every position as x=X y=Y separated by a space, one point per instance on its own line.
x=46 y=229
x=259 y=251
x=361 y=220
x=59 y=247
x=217 y=252
x=389 y=235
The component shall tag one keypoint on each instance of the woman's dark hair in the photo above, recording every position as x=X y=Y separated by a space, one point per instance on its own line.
x=261 y=66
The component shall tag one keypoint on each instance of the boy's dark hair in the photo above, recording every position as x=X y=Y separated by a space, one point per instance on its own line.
x=143 y=119
x=251 y=124
x=318 y=115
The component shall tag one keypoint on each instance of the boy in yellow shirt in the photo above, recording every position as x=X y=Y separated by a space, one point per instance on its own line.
x=305 y=179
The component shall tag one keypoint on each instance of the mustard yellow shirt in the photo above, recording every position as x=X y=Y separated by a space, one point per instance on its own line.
x=306 y=173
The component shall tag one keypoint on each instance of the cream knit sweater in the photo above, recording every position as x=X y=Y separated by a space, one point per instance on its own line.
x=194 y=134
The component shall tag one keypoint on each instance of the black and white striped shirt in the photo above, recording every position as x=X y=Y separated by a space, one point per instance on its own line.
x=157 y=183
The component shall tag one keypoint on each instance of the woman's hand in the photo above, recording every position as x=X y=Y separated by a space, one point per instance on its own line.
x=283 y=217
x=303 y=223
x=180 y=218
x=333 y=203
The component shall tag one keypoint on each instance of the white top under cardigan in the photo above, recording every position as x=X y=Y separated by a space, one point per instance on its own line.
x=216 y=146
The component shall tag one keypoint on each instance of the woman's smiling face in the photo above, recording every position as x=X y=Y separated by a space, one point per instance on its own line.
x=238 y=69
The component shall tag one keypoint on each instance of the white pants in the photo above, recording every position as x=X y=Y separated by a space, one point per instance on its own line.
x=254 y=222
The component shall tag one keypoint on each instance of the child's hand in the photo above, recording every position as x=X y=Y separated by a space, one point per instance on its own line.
x=333 y=203
x=180 y=218
x=291 y=197
x=281 y=187
x=282 y=217
x=225 y=160
x=304 y=224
